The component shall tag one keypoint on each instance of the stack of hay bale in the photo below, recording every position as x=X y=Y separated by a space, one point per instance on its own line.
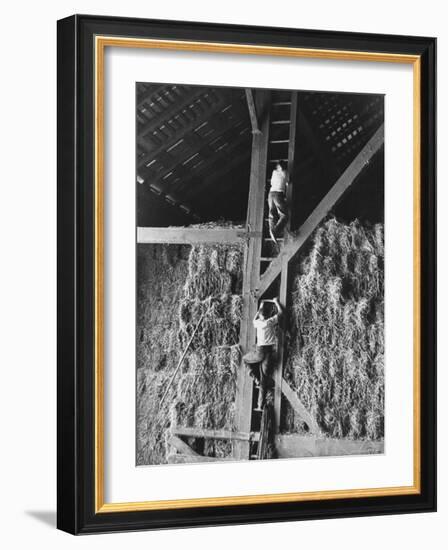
x=335 y=344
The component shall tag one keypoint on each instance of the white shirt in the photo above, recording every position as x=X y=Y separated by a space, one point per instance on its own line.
x=278 y=181
x=266 y=331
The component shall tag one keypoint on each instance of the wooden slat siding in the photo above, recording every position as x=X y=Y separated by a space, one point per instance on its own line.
x=295 y=446
x=176 y=458
x=214 y=434
x=172 y=163
x=298 y=406
x=197 y=179
x=283 y=294
x=322 y=209
x=168 y=161
x=252 y=111
x=146 y=97
x=237 y=107
x=181 y=446
x=188 y=235
x=169 y=112
x=251 y=270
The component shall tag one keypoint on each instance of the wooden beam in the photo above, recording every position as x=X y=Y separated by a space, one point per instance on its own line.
x=326 y=204
x=181 y=446
x=278 y=372
x=251 y=272
x=189 y=235
x=296 y=446
x=214 y=434
x=252 y=111
x=176 y=458
x=298 y=406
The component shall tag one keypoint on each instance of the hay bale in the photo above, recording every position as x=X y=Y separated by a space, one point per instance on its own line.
x=335 y=349
x=175 y=295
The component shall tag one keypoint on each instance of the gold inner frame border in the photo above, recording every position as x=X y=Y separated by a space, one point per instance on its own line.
x=100 y=44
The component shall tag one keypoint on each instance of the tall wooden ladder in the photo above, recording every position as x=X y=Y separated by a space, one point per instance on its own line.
x=282 y=133
x=281 y=147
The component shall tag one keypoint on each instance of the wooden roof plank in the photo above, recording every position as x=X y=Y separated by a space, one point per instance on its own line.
x=177 y=106
x=218 y=122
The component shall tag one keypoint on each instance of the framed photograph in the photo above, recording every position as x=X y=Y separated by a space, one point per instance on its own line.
x=246 y=274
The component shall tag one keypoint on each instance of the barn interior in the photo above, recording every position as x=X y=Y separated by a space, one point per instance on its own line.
x=204 y=158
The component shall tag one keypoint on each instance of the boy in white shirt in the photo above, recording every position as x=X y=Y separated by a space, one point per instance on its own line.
x=278 y=209
x=267 y=328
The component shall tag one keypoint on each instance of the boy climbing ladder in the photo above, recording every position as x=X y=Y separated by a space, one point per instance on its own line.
x=278 y=210
x=260 y=362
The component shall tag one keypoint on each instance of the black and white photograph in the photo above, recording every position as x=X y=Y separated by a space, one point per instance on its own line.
x=260 y=274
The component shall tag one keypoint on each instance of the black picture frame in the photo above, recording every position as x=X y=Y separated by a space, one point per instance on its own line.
x=76 y=254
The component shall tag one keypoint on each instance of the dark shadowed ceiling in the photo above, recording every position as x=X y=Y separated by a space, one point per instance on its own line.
x=194 y=147
x=191 y=141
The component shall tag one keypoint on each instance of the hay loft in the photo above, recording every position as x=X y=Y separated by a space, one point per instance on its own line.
x=208 y=256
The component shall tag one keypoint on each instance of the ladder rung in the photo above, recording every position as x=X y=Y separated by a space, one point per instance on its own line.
x=279 y=141
x=267 y=259
x=280 y=121
x=276 y=103
x=277 y=160
x=271 y=239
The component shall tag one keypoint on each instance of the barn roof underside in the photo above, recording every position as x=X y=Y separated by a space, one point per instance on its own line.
x=194 y=148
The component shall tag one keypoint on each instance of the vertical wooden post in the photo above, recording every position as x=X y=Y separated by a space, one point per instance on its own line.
x=283 y=291
x=252 y=111
x=251 y=273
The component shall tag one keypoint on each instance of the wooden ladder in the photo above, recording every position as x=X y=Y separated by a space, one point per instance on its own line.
x=281 y=147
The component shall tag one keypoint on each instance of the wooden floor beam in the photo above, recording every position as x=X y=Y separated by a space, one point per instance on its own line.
x=179 y=458
x=297 y=446
x=214 y=434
